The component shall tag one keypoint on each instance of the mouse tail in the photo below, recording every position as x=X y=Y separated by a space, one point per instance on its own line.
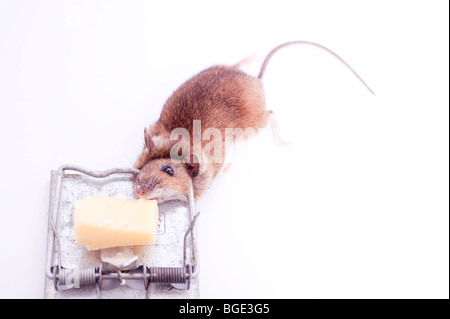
x=281 y=46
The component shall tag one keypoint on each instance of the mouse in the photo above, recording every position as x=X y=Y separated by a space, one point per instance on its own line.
x=198 y=124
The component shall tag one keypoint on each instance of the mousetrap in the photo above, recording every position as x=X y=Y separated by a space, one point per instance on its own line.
x=167 y=269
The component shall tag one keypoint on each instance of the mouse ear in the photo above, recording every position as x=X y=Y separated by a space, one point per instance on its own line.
x=193 y=167
x=148 y=141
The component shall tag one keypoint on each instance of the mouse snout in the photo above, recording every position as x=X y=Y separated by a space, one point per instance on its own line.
x=140 y=190
x=142 y=187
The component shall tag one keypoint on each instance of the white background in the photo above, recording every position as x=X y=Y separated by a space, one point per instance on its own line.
x=357 y=208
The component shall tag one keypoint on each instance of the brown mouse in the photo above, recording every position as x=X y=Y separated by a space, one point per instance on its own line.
x=218 y=100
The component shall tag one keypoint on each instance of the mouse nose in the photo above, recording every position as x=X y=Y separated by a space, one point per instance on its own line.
x=140 y=191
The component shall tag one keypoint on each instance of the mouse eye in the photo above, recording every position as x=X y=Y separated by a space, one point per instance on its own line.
x=167 y=170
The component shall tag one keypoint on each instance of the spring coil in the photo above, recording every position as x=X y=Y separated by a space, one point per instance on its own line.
x=169 y=275
x=77 y=277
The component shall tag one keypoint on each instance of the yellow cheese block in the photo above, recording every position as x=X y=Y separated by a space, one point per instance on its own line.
x=104 y=222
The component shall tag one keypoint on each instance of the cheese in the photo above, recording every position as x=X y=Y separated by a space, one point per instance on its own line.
x=104 y=222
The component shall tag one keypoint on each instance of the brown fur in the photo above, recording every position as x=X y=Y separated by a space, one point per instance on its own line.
x=221 y=97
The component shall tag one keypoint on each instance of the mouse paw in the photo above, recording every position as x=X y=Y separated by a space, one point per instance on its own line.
x=224 y=169
x=245 y=61
x=279 y=141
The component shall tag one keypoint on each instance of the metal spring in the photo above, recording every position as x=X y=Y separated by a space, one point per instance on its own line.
x=77 y=277
x=169 y=275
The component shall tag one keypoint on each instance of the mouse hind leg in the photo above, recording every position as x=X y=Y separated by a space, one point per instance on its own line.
x=275 y=127
x=245 y=61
